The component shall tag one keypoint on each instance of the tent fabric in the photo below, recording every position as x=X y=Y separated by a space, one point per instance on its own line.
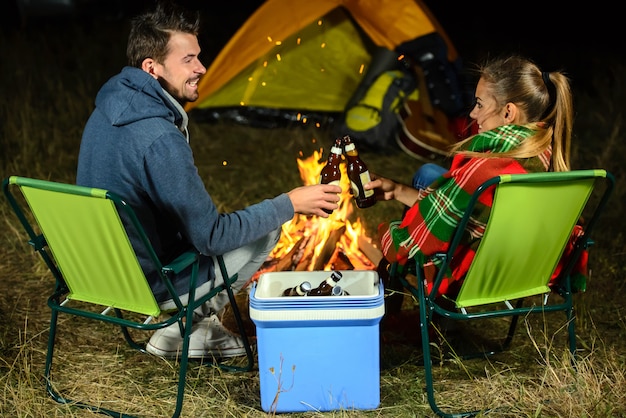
x=309 y=55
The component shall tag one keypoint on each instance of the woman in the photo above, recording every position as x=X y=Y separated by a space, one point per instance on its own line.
x=524 y=119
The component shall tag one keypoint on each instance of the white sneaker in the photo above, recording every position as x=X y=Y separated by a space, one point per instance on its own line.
x=208 y=338
x=211 y=338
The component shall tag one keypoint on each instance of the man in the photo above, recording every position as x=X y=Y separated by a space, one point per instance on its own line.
x=136 y=144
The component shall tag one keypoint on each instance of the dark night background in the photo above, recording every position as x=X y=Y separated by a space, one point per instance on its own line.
x=581 y=39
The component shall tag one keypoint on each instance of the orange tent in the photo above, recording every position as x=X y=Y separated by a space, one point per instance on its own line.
x=309 y=55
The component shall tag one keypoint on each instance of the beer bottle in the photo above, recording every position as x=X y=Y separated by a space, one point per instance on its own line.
x=358 y=175
x=300 y=290
x=331 y=172
x=326 y=287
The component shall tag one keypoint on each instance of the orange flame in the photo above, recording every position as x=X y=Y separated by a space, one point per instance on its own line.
x=318 y=230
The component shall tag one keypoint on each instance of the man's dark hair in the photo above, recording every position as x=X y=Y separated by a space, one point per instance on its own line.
x=150 y=32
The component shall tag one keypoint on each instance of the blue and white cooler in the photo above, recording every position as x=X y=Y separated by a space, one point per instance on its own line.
x=318 y=353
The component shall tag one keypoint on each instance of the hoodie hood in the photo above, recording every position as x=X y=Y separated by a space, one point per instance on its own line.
x=134 y=95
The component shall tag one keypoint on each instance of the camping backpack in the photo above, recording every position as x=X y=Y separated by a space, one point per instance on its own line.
x=444 y=79
x=373 y=120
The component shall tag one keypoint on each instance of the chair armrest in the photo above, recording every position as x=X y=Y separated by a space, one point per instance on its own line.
x=181 y=262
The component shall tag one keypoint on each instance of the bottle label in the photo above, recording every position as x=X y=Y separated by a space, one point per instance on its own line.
x=365 y=178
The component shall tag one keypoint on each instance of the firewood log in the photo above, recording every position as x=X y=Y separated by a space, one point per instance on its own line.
x=340 y=261
x=329 y=248
x=370 y=250
x=292 y=258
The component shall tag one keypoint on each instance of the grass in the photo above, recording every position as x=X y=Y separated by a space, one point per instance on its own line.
x=51 y=78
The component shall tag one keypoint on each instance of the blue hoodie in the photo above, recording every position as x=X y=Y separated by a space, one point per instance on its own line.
x=132 y=146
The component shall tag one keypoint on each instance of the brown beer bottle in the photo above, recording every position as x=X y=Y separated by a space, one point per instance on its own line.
x=326 y=287
x=358 y=175
x=331 y=172
x=300 y=290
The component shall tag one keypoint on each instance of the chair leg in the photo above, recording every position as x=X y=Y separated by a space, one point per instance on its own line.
x=512 y=327
x=129 y=339
x=184 y=362
x=428 y=363
x=426 y=317
x=240 y=325
x=56 y=395
x=49 y=357
x=571 y=331
x=242 y=332
x=226 y=286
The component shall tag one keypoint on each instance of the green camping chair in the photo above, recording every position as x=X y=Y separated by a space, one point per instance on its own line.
x=83 y=242
x=531 y=221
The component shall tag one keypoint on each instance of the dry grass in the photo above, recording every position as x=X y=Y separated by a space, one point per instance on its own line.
x=44 y=105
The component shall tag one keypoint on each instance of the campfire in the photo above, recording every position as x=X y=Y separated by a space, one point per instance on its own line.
x=314 y=243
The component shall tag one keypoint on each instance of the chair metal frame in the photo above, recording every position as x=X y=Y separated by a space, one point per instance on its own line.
x=148 y=317
x=505 y=305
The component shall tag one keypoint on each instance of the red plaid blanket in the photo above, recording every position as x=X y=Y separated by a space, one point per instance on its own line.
x=428 y=225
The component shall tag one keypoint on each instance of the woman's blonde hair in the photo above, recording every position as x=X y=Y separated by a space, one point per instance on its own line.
x=545 y=100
